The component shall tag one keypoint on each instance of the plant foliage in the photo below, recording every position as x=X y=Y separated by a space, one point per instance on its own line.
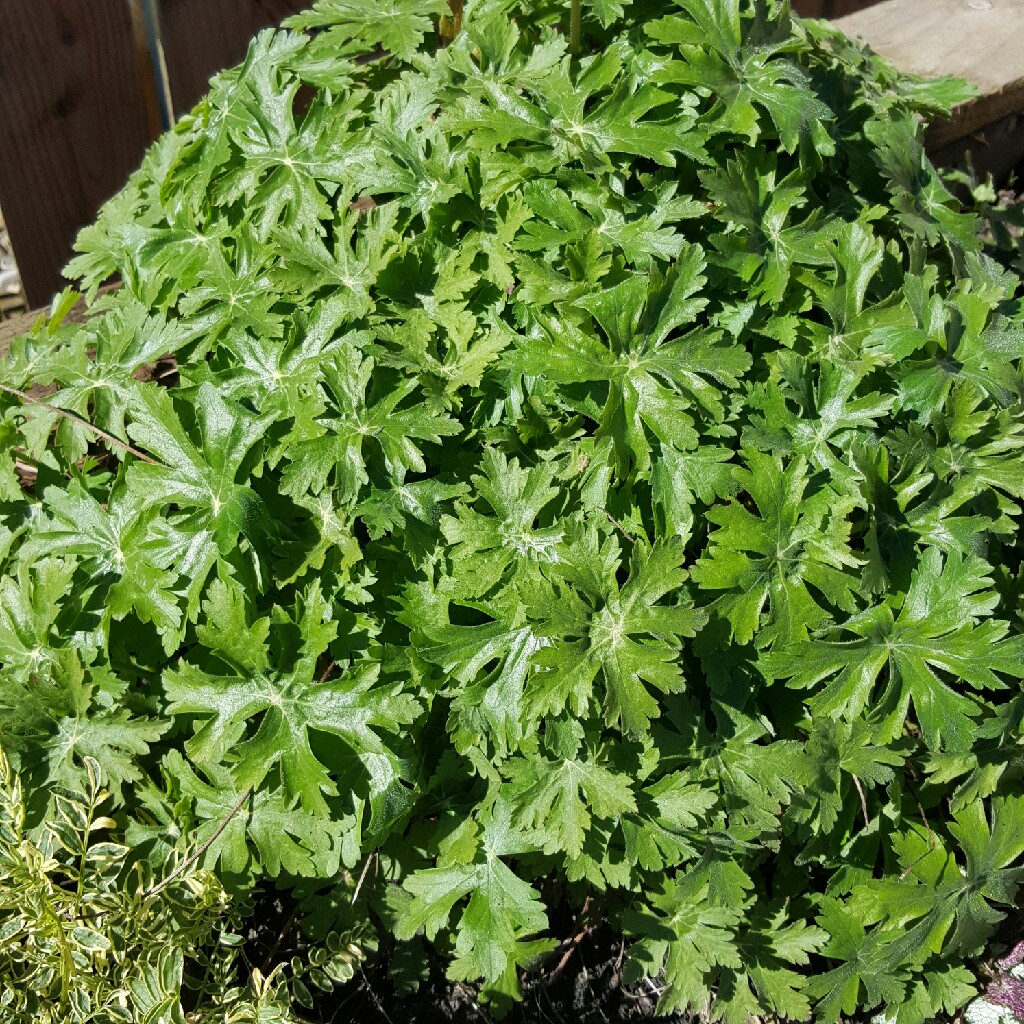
x=87 y=937
x=588 y=475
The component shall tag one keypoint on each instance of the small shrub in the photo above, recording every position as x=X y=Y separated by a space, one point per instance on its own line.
x=588 y=476
x=86 y=935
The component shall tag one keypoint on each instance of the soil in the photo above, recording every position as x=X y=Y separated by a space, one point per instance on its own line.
x=588 y=990
x=581 y=982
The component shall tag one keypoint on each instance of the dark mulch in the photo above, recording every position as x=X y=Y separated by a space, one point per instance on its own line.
x=579 y=983
x=587 y=990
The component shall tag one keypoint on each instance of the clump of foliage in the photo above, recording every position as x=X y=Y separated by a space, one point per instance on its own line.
x=85 y=937
x=590 y=476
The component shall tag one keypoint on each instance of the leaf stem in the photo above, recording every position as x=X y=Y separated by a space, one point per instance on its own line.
x=67 y=960
x=186 y=864
x=25 y=397
x=863 y=801
x=575 y=26
x=625 y=533
x=285 y=929
x=362 y=877
x=84 y=855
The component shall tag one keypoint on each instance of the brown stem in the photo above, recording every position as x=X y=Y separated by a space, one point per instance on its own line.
x=571 y=944
x=621 y=528
x=570 y=949
x=186 y=864
x=456 y=6
x=451 y=25
x=267 y=960
x=25 y=397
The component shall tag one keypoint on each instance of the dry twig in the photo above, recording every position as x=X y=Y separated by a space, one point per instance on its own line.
x=25 y=397
x=188 y=862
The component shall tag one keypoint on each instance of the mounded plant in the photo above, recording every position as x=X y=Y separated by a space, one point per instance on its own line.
x=591 y=477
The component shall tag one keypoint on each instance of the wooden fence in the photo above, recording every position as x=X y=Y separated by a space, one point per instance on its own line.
x=830 y=8
x=84 y=88
x=80 y=99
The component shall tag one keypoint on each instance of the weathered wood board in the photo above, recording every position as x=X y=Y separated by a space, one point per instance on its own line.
x=979 y=40
x=202 y=37
x=829 y=8
x=74 y=125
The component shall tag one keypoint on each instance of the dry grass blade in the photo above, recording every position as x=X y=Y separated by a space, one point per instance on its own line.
x=189 y=861
x=25 y=397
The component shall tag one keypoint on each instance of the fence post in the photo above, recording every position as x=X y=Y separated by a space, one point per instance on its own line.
x=74 y=125
x=202 y=37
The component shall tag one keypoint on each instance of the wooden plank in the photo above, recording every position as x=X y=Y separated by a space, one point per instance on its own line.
x=980 y=40
x=72 y=129
x=829 y=8
x=202 y=37
x=22 y=323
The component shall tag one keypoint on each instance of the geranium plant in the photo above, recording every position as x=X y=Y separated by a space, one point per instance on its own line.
x=586 y=475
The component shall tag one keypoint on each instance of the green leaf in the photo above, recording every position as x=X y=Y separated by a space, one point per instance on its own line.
x=755 y=779
x=502 y=908
x=685 y=935
x=200 y=474
x=289 y=703
x=492 y=661
x=623 y=636
x=30 y=603
x=770 y=949
x=267 y=829
x=395 y=25
x=96 y=375
x=71 y=715
x=845 y=764
x=798 y=542
x=559 y=799
x=110 y=541
x=655 y=381
x=681 y=480
x=336 y=451
x=869 y=974
x=557 y=114
x=487 y=546
x=721 y=53
x=943 y=627
x=762 y=240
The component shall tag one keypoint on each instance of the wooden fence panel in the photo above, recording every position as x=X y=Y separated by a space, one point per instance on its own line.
x=830 y=8
x=80 y=103
x=202 y=37
x=74 y=125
